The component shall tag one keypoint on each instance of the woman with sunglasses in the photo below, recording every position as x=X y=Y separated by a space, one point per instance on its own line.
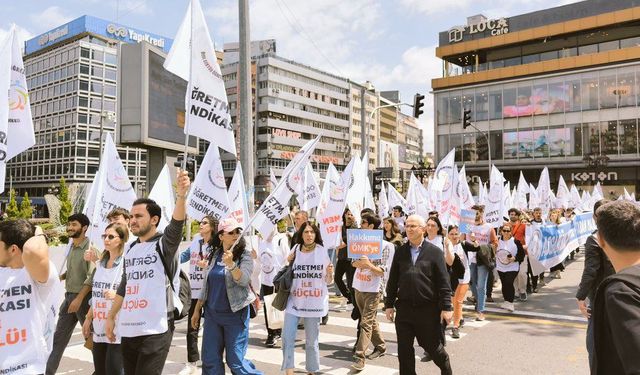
x=508 y=257
x=107 y=356
x=309 y=298
x=197 y=254
x=226 y=296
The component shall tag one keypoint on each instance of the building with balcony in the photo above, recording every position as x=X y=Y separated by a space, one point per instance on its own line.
x=557 y=87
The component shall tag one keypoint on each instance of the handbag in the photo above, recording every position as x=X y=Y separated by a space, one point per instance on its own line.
x=283 y=280
x=457 y=268
x=274 y=317
x=88 y=342
x=254 y=306
x=486 y=257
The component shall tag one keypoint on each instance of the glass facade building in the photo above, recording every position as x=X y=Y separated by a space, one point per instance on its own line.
x=557 y=91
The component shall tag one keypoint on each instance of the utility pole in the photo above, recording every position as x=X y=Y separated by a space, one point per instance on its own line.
x=244 y=89
x=363 y=125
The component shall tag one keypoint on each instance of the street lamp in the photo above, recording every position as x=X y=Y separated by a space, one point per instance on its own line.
x=53 y=190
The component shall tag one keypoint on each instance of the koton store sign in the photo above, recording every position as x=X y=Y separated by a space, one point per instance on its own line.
x=496 y=27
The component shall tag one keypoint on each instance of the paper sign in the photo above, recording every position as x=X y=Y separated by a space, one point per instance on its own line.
x=467 y=219
x=364 y=242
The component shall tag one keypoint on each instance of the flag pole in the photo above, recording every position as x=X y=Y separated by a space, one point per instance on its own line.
x=186 y=114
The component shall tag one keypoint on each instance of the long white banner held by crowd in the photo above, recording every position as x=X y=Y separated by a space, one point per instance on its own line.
x=548 y=245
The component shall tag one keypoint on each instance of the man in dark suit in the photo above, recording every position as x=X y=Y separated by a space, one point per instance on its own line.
x=419 y=289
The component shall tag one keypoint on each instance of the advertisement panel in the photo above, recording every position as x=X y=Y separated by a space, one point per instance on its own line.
x=388 y=155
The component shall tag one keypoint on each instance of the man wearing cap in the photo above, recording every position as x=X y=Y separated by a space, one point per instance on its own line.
x=226 y=296
x=145 y=314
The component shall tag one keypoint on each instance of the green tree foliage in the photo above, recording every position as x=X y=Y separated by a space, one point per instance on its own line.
x=12 y=210
x=65 y=201
x=25 y=207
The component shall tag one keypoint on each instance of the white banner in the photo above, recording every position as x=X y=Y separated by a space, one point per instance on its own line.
x=332 y=204
x=521 y=193
x=445 y=173
x=493 y=205
x=208 y=194
x=544 y=192
x=273 y=208
x=383 y=202
x=208 y=115
x=463 y=191
x=396 y=199
x=113 y=189
x=162 y=193
x=355 y=195
x=308 y=192
x=238 y=206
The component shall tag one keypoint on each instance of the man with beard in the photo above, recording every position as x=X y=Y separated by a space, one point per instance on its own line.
x=144 y=313
x=77 y=278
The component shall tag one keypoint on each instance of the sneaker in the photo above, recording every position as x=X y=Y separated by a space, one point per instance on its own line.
x=358 y=365
x=558 y=275
x=426 y=358
x=490 y=299
x=511 y=307
x=471 y=299
x=376 y=353
x=325 y=319
x=461 y=323
x=480 y=317
x=507 y=306
x=271 y=341
x=523 y=297
x=455 y=333
x=189 y=368
x=535 y=290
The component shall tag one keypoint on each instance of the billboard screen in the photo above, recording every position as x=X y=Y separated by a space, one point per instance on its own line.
x=388 y=155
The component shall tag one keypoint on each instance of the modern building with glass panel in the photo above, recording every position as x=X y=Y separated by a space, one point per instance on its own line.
x=72 y=74
x=557 y=88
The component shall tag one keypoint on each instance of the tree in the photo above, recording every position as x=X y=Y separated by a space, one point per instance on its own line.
x=12 y=208
x=65 y=202
x=25 y=207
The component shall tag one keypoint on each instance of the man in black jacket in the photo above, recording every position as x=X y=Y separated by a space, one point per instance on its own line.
x=616 y=312
x=418 y=287
x=596 y=267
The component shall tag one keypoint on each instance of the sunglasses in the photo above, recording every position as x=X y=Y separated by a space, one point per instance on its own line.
x=235 y=231
x=506 y=231
x=204 y=223
x=109 y=236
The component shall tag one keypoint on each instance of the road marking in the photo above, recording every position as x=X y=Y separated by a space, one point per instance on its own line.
x=537 y=321
x=571 y=318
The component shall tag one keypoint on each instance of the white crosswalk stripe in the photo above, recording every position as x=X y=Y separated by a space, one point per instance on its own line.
x=338 y=333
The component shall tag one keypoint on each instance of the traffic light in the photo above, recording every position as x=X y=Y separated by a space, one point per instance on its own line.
x=466 y=119
x=417 y=105
x=191 y=164
x=376 y=182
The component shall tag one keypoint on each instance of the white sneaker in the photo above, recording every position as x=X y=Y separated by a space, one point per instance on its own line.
x=189 y=369
x=510 y=306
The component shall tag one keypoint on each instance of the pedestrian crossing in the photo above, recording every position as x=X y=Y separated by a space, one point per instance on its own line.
x=337 y=338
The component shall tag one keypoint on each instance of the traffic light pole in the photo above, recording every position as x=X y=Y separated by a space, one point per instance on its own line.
x=370 y=120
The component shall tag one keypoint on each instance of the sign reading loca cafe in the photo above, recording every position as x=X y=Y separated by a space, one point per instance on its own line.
x=495 y=27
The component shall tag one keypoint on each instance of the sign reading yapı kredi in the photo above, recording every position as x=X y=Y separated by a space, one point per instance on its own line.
x=494 y=27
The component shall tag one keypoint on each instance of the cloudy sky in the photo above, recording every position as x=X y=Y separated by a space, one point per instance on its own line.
x=388 y=42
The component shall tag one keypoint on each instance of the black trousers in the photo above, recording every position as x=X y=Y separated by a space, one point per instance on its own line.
x=421 y=323
x=193 y=355
x=490 y=281
x=266 y=290
x=532 y=280
x=64 y=329
x=343 y=266
x=146 y=354
x=508 y=289
x=107 y=359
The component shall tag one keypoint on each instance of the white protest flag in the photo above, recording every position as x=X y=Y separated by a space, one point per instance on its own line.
x=273 y=182
x=562 y=194
x=308 y=191
x=506 y=199
x=206 y=101
x=208 y=194
x=534 y=202
x=383 y=202
x=332 y=204
x=445 y=174
x=493 y=204
x=273 y=208
x=20 y=130
x=544 y=192
x=369 y=202
x=162 y=193
x=5 y=84
x=574 y=198
x=417 y=199
x=90 y=197
x=521 y=193
x=463 y=191
x=597 y=194
x=238 y=206
x=113 y=189
x=482 y=192
x=628 y=196
x=586 y=201
x=396 y=199
x=455 y=202
x=355 y=195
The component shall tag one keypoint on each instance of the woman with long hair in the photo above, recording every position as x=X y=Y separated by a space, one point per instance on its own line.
x=226 y=296
x=309 y=298
x=509 y=254
x=197 y=254
x=392 y=231
x=107 y=356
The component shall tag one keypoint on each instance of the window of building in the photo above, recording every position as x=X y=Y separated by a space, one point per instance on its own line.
x=589 y=92
x=609 y=90
x=628 y=137
x=626 y=88
x=97 y=55
x=110 y=74
x=608 y=46
x=110 y=58
x=588 y=49
x=85 y=52
x=455 y=108
x=609 y=137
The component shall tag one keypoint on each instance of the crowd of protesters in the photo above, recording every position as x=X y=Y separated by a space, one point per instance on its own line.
x=420 y=280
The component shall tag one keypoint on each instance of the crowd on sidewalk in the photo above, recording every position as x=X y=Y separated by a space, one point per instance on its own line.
x=420 y=276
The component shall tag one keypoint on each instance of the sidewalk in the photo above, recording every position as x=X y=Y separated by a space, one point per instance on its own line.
x=556 y=300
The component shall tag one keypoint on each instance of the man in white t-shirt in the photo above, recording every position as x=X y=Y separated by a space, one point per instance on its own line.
x=28 y=286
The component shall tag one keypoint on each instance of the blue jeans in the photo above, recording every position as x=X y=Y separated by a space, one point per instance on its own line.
x=479 y=276
x=229 y=333
x=311 y=346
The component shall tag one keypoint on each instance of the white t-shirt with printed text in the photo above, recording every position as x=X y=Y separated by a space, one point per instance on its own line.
x=309 y=296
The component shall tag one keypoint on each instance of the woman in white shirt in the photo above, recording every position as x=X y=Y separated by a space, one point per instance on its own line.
x=453 y=234
x=309 y=298
x=107 y=356
x=509 y=254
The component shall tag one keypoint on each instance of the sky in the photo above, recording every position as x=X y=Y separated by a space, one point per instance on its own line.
x=390 y=43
